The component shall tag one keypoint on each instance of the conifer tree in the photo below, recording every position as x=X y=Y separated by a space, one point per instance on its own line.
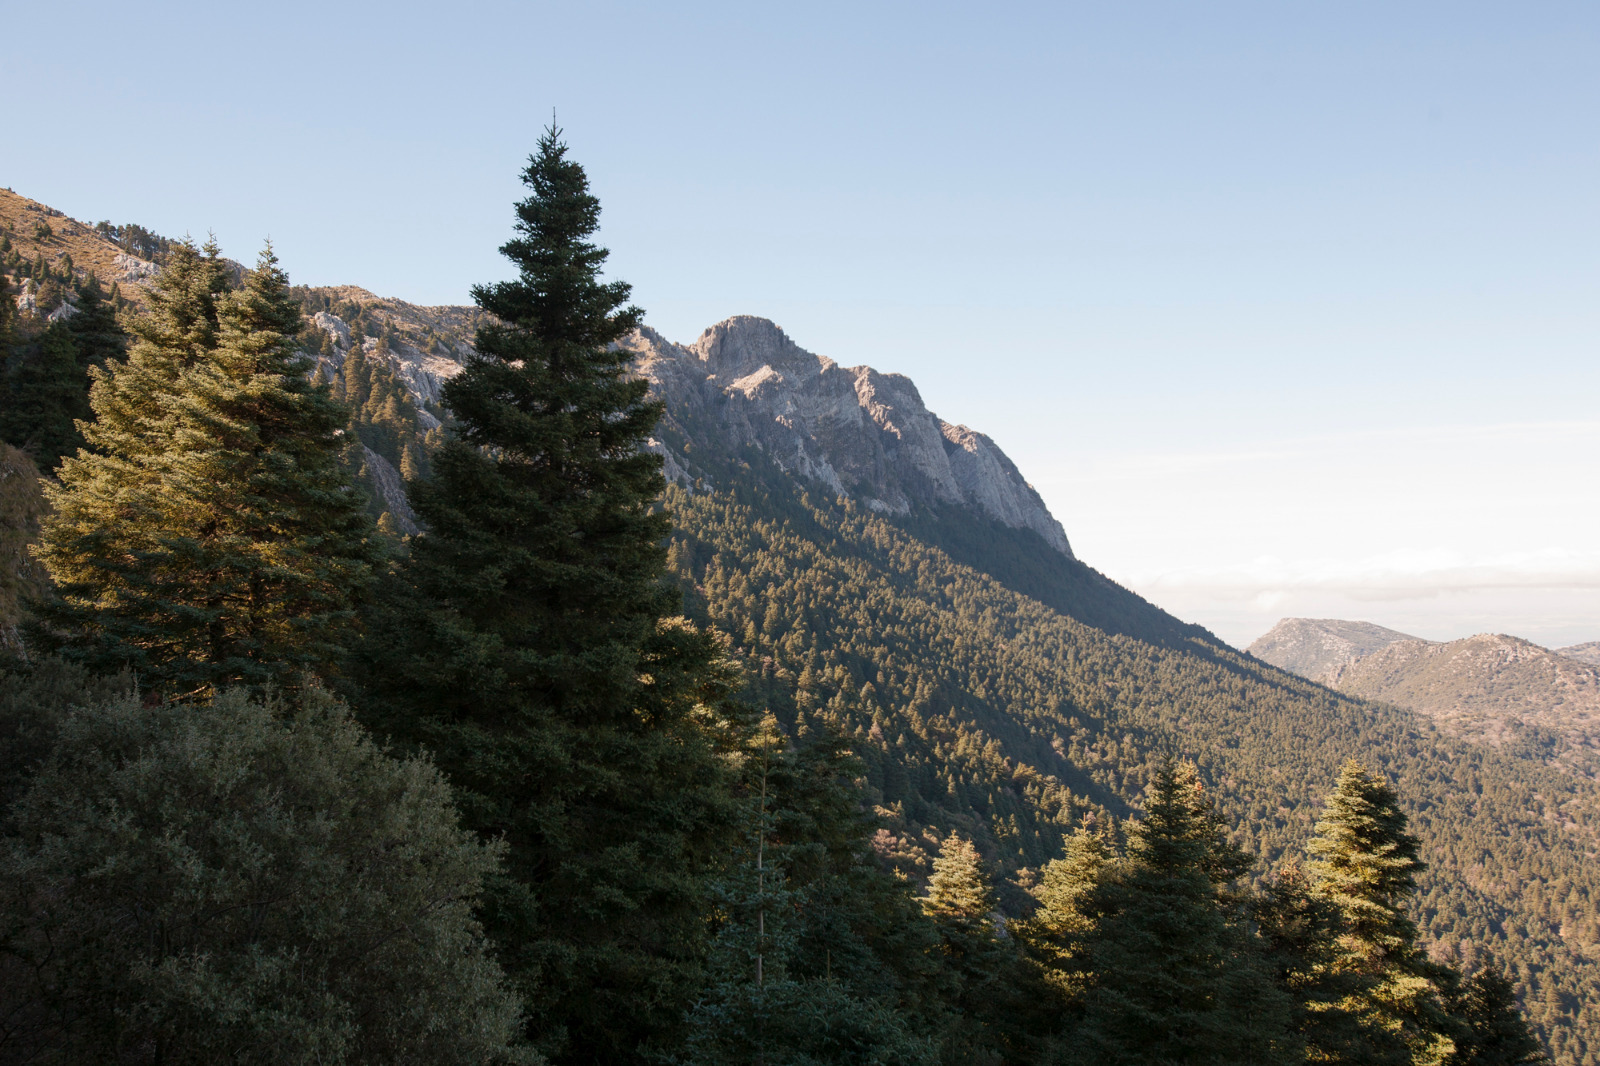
x=1055 y=938
x=44 y=391
x=211 y=537
x=1301 y=934
x=1173 y=979
x=1366 y=863
x=43 y=395
x=819 y=955
x=526 y=644
x=1493 y=1031
x=976 y=964
x=99 y=336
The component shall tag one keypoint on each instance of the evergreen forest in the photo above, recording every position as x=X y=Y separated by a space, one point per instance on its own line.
x=343 y=725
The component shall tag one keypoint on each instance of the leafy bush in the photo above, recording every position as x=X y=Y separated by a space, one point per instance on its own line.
x=247 y=882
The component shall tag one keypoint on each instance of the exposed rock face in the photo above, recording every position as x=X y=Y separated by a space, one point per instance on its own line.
x=133 y=269
x=855 y=431
x=392 y=487
x=1318 y=648
x=858 y=432
x=424 y=373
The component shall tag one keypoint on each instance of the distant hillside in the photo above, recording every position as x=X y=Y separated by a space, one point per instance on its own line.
x=1318 y=648
x=1587 y=653
x=34 y=231
x=1490 y=688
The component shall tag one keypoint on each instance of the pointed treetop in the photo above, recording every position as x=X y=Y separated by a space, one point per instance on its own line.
x=959 y=889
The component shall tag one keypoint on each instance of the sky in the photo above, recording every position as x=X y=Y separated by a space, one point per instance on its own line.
x=1285 y=309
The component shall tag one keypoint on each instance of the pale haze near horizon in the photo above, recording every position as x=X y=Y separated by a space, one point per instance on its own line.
x=1285 y=311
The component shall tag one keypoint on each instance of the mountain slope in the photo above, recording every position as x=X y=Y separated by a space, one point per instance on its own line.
x=1490 y=688
x=1588 y=653
x=998 y=686
x=984 y=711
x=1318 y=648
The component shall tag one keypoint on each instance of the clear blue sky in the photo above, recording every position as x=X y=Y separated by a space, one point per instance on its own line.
x=1255 y=293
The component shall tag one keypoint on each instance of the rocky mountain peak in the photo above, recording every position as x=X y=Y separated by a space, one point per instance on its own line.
x=858 y=432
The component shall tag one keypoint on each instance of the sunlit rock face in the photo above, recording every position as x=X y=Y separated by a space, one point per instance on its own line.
x=857 y=432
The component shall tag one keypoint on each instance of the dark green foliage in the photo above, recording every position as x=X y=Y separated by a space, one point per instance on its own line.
x=211 y=536
x=1160 y=969
x=819 y=956
x=44 y=384
x=1301 y=933
x=525 y=642
x=1493 y=1032
x=21 y=507
x=44 y=390
x=100 y=338
x=241 y=882
x=978 y=710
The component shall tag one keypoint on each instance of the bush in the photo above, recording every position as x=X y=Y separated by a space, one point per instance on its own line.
x=243 y=882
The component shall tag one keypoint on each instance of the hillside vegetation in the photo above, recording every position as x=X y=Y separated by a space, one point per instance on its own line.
x=286 y=779
x=1494 y=689
x=984 y=711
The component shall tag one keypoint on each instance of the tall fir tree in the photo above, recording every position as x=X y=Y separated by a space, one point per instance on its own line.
x=99 y=335
x=527 y=643
x=1493 y=1031
x=1365 y=865
x=43 y=394
x=1055 y=938
x=211 y=536
x=44 y=391
x=1175 y=976
x=808 y=964
x=1301 y=932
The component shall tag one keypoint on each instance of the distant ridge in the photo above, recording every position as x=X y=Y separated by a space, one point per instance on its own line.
x=1587 y=653
x=1491 y=688
x=1318 y=648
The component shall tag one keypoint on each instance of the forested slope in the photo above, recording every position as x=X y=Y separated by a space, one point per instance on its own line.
x=987 y=711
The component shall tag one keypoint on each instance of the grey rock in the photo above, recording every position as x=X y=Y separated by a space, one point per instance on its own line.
x=132 y=268
x=858 y=432
x=392 y=488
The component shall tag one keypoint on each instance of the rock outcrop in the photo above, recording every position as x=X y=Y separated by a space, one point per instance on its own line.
x=853 y=430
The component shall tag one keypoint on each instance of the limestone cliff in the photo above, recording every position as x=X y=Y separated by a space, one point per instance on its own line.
x=852 y=430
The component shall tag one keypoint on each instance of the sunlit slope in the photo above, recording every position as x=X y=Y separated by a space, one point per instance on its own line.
x=982 y=709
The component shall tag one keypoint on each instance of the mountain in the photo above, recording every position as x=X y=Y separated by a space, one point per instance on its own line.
x=859 y=433
x=883 y=573
x=1588 y=653
x=1317 y=648
x=33 y=230
x=1491 y=688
